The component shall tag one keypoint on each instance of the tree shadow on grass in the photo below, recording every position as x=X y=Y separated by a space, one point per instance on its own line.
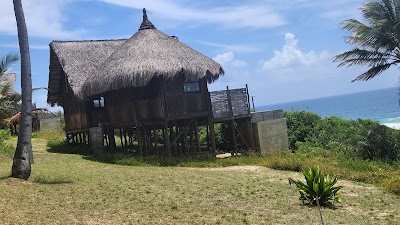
x=56 y=146
x=131 y=159
x=5 y=177
x=162 y=161
x=51 y=180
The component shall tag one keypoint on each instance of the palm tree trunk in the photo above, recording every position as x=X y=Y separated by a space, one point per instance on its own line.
x=23 y=157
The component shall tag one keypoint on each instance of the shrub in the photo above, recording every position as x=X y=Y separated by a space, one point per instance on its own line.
x=4 y=135
x=362 y=138
x=300 y=126
x=317 y=188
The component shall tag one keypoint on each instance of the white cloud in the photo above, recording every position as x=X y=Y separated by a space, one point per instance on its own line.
x=44 y=18
x=228 y=59
x=245 y=15
x=290 y=63
x=233 y=47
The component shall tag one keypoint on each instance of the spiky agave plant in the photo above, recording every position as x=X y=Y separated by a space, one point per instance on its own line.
x=318 y=188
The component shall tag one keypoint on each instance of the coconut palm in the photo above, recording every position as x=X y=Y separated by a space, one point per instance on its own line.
x=6 y=62
x=23 y=157
x=376 y=42
x=8 y=99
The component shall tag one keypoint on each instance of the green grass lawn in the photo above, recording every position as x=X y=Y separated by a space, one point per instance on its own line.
x=74 y=189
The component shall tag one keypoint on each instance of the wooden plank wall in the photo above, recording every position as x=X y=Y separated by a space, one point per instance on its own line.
x=74 y=113
x=184 y=105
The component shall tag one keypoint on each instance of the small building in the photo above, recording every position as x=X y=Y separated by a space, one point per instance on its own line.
x=150 y=91
x=148 y=84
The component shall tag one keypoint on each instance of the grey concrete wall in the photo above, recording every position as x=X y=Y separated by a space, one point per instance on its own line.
x=271 y=136
x=50 y=124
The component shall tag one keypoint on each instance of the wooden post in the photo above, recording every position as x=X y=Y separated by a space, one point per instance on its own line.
x=234 y=136
x=196 y=136
x=139 y=136
x=248 y=98
x=191 y=148
x=125 y=140
x=212 y=136
x=120 y=137
x=111 y=137
x=155 y=140
x=208 y=138
x=251 y=134
x=139 y=139
x=228 y=94
x=166 y=140
x=68 y=138
x=185 y=141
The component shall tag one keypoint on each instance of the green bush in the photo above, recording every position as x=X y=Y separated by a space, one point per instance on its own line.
x=362 y=138
x=318 y=188
x=301 y=126
x=4 y=135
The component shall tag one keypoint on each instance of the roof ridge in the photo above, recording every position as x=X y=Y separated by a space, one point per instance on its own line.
x=101 y=40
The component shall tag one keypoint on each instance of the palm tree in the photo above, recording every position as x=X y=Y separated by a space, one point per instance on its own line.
x=7 y=62
x=8 y=102
x=376 y=42
x=23 y=156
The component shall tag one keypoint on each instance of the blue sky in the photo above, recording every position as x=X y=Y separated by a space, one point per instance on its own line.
x=281 y=49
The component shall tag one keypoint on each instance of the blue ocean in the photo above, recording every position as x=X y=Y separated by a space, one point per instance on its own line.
x=381 y=105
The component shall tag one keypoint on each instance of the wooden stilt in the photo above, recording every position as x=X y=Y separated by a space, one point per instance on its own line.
x=155 y=140
x=253 y=146
x=125 y=140
x=185 y=140
x=234 y=136
x=212 y=136
x=166 y=140
x=191 y=140
x=139 y=140
x=120 y=137
x=111 y=137
x=208 y=138
x=196 y=136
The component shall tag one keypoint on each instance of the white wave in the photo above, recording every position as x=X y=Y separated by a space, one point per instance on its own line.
x=392 y=125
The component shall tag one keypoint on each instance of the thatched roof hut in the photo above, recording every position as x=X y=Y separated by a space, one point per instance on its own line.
x=147 y=54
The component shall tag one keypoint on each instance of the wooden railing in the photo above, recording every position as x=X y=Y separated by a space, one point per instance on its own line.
x=230 y=102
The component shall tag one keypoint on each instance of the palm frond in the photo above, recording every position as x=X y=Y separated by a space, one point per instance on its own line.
x=368 y=37
x=377 y=42
x=371 y=73
x=362 y=57
x=7 y=62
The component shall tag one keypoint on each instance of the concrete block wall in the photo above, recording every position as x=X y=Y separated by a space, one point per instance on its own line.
x=271 y=136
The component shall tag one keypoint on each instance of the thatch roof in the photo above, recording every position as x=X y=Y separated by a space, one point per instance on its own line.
x=74 y=61
x=8 y=80
x=35 y=114
x=95 y=67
